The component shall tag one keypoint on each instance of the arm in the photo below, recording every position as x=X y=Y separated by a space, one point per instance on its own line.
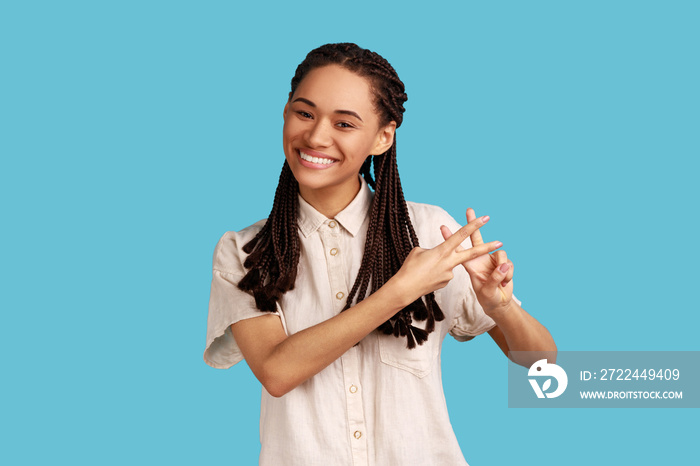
x=519 y=332
x=519 y=335
x=283 y=362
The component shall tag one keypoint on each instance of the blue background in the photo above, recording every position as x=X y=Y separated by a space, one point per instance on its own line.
x=134 y=134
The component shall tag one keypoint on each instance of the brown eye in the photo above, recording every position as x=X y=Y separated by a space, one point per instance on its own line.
x=304 y=114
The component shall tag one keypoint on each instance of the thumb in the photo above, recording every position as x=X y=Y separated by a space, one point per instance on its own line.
x=492 y=285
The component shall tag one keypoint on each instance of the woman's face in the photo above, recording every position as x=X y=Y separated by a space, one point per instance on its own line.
x=330 y=127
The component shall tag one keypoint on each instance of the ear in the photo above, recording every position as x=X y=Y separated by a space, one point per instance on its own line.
x=385 y=138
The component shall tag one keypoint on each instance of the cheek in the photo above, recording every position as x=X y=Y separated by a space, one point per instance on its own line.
x=286 y=137
x=285 y=140
x=289 y=132
x=364 y=148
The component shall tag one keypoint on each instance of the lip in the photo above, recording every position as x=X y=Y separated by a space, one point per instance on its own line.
x=313 y=153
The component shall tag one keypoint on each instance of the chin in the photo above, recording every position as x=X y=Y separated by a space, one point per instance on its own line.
x=311 y=180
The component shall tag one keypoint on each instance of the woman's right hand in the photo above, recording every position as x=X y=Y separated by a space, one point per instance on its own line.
x=427 y=270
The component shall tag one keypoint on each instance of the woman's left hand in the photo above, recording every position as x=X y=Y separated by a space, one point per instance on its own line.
x=491 y=274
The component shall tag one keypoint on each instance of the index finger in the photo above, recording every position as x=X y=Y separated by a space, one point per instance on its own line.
x=476 y=236
x=465 y=232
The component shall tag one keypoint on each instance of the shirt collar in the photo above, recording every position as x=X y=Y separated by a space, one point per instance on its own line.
x=351 y=217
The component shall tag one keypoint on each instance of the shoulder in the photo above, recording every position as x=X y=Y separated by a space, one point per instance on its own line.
x=427 y=212
x=427 y=219
x=229 y=254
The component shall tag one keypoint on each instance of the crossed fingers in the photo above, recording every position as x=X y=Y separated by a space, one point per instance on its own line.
x=501 y=256
x=505 y=265
x=470 y=230
x=503 y=272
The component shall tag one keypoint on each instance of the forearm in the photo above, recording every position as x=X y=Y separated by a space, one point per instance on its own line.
x=526 y=339
x=283 y=362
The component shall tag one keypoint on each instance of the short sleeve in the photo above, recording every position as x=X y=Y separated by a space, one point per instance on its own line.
x=227 y=303
x=472 y=321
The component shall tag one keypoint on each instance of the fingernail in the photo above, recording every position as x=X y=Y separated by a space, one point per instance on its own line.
x=498 y=244
x=485 y=219
x=504 y=267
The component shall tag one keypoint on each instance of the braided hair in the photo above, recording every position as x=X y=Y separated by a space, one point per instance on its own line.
x=274 y=251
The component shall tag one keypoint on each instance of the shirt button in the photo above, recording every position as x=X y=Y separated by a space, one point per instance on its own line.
x=334 y=251
x=353 y=389
x=339 y=295
x=332 y=224
x=357 y=434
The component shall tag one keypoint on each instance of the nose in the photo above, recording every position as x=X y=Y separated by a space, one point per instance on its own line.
x=318 y=135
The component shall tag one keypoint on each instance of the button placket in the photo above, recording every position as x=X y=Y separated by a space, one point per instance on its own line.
x=357 y=428
x=331 y=238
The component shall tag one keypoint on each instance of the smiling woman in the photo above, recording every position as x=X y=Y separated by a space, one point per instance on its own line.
x=328 y=135
x=332 y=301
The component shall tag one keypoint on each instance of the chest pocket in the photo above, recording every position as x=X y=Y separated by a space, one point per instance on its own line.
x=419 y=361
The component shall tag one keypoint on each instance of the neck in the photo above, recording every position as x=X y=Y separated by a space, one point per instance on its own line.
x=330 y=200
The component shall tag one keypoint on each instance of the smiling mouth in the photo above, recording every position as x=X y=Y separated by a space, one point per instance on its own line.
x=312 y=159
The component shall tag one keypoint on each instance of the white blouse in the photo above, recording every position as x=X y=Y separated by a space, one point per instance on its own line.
x=379 y=404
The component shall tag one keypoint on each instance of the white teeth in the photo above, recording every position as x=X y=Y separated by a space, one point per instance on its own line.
x=322 y=161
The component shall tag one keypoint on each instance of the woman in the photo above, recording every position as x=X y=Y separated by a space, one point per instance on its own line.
x=335 y=307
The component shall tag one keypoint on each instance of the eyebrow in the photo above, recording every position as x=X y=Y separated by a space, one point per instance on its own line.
x=344 y=112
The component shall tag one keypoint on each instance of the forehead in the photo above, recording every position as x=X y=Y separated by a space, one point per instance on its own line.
x=336 y=87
